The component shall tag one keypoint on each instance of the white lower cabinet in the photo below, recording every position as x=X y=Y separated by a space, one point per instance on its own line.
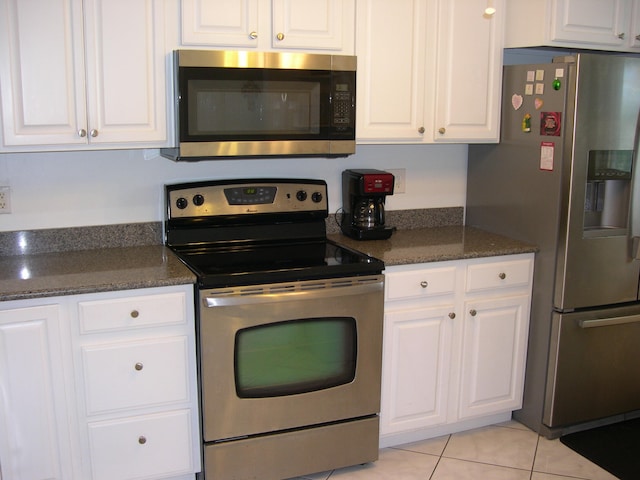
x=454 y=345
x=99 y=386
x=34 y=419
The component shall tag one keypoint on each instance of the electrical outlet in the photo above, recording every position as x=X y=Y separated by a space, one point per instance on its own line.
x=5 y=200
x=399 y=174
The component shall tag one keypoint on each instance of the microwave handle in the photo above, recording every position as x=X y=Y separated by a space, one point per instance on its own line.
x=634 y=208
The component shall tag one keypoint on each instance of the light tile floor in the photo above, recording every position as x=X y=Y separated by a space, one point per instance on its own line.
x=507 y=451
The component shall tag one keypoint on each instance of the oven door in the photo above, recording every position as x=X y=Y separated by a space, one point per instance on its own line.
x=288 y=355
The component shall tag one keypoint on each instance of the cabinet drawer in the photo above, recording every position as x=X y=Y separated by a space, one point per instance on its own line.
x=147 y=446
x=503 y=274
x=135 y=374
x=132 y=312
x=424 y=283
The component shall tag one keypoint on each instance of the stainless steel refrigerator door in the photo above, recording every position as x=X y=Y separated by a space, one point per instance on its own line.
x=594 y=366
x=595 y=266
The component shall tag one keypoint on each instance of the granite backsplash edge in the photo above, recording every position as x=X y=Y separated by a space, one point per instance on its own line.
x=55 y=240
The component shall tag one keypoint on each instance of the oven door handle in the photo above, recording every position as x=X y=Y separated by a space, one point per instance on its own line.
x=606 y=322
x=278 y=292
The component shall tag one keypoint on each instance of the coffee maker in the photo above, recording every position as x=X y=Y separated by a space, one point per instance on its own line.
x=363 y=195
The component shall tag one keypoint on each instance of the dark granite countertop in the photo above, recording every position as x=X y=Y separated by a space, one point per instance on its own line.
x=120 y=257
x=435 y=244
x=88 y=271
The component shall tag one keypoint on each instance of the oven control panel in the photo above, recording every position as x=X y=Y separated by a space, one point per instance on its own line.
x=245 y=197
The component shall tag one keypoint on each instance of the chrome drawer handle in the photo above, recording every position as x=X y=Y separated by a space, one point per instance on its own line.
x=472 y=312
x=138 y=366
x=502 y=275
x=142 y=439
x=424 y=284
x=135 y=313
x=253 y=35
x=452 y=315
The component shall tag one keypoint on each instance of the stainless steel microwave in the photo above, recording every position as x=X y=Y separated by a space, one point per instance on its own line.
x=262 y=104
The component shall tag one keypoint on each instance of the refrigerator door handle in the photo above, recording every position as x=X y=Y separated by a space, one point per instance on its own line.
x=607 y=322
x=635 y=198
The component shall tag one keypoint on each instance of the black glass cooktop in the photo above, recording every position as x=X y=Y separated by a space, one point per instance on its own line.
x=272 y=263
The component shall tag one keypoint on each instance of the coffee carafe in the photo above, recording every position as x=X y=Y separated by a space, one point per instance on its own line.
x=363 y=196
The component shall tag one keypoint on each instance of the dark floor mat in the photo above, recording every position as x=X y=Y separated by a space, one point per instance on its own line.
x=616 y=448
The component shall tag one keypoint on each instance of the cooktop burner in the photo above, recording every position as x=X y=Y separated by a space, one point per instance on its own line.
x=248 y=232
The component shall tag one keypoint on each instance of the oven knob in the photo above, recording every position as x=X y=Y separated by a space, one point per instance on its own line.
x=301 y=195
x=198 y=200
x=316 y=197
x=182 y=203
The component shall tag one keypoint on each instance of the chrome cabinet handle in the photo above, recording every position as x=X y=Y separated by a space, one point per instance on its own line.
x=135 y=314
x=424 y=284
x=421 y=130
x=621 y=36
x=452 y=315
x=142 y=439
x=280 y=36
x=637 y=37
x=502 y=275
x=472 y=312
x=82 y=133
x=253 y=35
x=442 y=130
x=93 y=132
x=138 y=366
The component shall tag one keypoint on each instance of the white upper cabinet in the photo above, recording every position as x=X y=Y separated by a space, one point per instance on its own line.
x=468 y=85
x=270 y=24
x=82 y=74
x=590 y=24
x=428 y=71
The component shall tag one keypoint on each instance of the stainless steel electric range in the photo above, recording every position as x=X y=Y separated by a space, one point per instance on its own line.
x=289 y=328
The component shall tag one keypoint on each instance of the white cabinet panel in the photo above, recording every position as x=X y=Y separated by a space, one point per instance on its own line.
x=134 y=374
x=146 y=446
x=270 y=24
x=493 y=354
x=81 y=74
x=34 y=427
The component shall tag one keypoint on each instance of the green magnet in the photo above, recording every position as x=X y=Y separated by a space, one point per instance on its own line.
x=556 y=84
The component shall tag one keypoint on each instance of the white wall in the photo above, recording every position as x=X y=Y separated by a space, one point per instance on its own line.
x=65 y=189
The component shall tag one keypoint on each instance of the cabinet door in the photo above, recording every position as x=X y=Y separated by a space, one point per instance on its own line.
x=34 y=435
x=469 y=72
x=634 y=31
x=41 y=72
x=394 y=44
x=493 y=354
x=313 y=24
x=417 y=347
x=594 y=22
x=230 y=23
x=125 y=71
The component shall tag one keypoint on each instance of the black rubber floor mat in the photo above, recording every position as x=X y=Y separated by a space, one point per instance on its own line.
x=616 y=447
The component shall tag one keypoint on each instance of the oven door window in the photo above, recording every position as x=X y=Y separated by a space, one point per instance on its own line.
x=293 y=357
x=253 y=104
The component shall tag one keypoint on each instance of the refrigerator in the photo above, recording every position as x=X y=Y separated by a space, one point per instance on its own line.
x=563 y=177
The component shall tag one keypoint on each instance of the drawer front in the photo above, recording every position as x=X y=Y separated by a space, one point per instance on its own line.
x=425 y=283
x=135 y=374
x=132 y=312
x=147 y=446
x=503 y=274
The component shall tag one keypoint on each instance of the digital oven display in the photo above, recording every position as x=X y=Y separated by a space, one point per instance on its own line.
x=250 y=195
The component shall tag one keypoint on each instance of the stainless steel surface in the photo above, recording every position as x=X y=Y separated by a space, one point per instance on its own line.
x=294 y=453
x=262 y=148
x=214 y=200
x=225 y=415
x=595 y=371
x=585 y=257
x=241 y=59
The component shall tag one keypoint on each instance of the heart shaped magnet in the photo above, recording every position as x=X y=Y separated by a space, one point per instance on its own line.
x=516 y=101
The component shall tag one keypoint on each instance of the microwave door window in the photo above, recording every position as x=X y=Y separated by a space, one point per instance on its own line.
x=248 y=109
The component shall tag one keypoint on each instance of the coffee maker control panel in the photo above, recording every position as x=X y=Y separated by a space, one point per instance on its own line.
x=377 y=183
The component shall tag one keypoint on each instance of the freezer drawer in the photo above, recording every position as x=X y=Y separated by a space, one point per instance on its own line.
x=594 y=366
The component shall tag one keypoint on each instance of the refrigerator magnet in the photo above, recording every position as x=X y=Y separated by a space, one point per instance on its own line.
x=546 y=155
x=550 y=123
x=526 y=123
x=516 y=101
